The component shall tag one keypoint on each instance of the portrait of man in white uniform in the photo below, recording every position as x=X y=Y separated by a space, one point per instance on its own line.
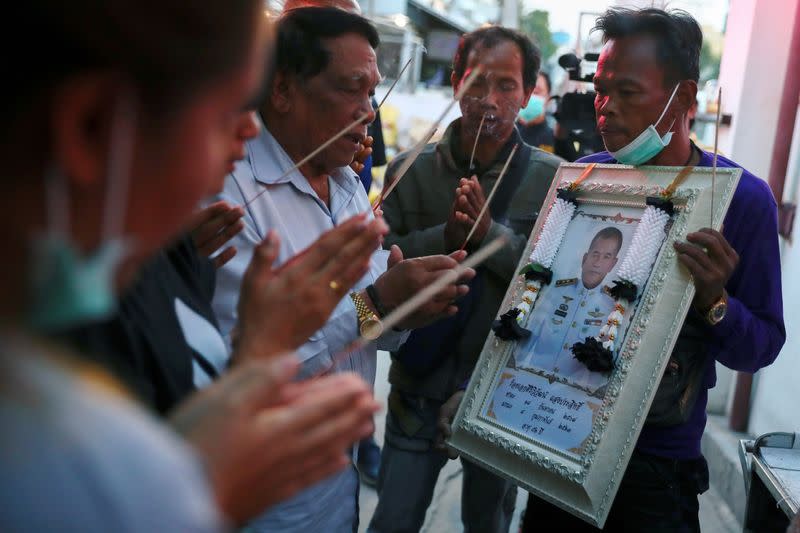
x=570 y=310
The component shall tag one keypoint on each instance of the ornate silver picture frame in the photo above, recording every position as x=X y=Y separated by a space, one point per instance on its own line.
x=532 y=412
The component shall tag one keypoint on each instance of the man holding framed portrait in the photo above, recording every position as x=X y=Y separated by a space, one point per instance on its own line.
x=649 y=66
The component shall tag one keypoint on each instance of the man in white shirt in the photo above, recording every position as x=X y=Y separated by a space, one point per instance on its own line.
x=325 y=73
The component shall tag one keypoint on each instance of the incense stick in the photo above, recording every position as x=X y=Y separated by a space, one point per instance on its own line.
x=399 y=76
x=716 y=153
x=491 y=195
x=403 y=310
x=475 y=144
x=313 y=154
x=412 y=156
x=467 y=83
x=409 y=306
x=336 y=137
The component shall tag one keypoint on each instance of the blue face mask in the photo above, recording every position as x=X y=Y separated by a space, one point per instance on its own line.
x=648 y=144
x=67 y=288
x=534 y=109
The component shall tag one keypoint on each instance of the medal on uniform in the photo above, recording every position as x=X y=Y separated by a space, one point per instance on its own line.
x=597 y=352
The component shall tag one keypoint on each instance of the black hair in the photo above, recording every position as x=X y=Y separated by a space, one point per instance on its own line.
x=299 y=49
x=547 y=82
x=289 y=5
x=609 y=232
x=491 y=36
x=677 y=35
x=167 y=49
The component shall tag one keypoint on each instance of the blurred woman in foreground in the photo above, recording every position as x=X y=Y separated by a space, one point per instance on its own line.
x=116 y=126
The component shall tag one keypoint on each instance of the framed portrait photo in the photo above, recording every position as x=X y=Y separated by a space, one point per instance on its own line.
x=565 y=381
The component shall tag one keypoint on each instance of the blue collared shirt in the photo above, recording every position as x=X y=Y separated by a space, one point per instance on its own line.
x=292 y=208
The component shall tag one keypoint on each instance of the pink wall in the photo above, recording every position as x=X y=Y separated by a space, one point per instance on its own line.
x=755 y=61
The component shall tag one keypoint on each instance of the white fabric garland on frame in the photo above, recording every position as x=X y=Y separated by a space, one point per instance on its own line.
x=545 y=250
x=635 y=267
x=597 y=352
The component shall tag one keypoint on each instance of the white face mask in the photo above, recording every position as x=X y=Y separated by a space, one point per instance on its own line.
x=648 y=144
x=67 y=288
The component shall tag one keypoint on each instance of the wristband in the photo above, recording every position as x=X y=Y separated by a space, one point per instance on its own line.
x=372 y=292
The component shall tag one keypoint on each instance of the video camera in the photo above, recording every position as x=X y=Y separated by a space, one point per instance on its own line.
x=575 y=112
x=572 y=64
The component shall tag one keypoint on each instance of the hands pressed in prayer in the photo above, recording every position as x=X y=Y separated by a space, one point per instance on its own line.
x=406 y=277
x=214 y=226
x=466 y=208
x=361 y=156
x=264 y=438
x=311 y=284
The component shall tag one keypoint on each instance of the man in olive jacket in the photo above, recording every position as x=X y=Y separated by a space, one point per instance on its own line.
x=432 y=211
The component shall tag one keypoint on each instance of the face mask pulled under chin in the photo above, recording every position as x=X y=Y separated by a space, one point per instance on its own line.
x=69 y=288
x=647 y=144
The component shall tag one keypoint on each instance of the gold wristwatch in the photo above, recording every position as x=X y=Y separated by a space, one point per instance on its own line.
x=369 y=325
x=716 y=312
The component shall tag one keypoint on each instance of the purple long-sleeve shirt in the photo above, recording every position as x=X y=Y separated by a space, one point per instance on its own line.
x=752 y=332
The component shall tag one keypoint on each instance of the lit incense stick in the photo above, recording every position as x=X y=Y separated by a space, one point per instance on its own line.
x=475 y=144
x=313 y=154
x=399 y=76
x=716 y=153
x=412 y=156
x=491 y=195
x=465 y=85
x=336 y=137
x=402 y=311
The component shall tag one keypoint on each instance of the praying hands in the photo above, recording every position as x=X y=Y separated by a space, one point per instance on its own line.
x=213 y=227
x=465 y=210
x=311 y=284
x=406 y=277
x=264 y=437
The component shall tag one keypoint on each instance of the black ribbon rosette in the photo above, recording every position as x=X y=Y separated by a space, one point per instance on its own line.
x=537 y=272
x=594 y=355
x=568 y=195
x=624 y=290
x=507 y=327
x=661 y=203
